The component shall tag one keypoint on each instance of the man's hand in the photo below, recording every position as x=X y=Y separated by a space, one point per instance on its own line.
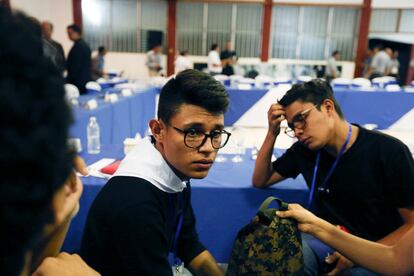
x=307 y=222
x=65 y=265
x=66 y=200
x=342 y=264
x=275 y=116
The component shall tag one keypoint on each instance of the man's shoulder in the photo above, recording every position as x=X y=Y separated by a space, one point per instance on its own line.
x=382 y=140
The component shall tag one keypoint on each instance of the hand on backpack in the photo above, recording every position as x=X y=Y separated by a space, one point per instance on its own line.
x=307 y=222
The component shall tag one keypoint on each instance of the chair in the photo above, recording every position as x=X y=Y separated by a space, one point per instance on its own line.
x=282 y=80
x=302 y=79
x=245 y=83
x=263 y=81
x=223 y=79
x=341 y=83
x=93 y=86
x=361 y=83
x=71 y=91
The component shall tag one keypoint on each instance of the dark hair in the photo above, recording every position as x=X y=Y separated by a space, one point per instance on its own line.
x=314 y=91
x=334 y=53
x=192 y=87
x=75 y=28
x=214 y=46
x=101 y=49
x=183 y=53
x=34 y=121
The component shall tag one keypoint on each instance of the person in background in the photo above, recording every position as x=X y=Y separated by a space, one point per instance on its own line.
x=39 y=189
x=213 y=60
x=380 y=64
x=56 y=52
x=144 y=212
x=182 y=62
x=394 y=67
x=332 y=71
x=98 y=64
x=228 y=58
x=367 y=62
x=79 y=60
x=359 y=179
x=154 y=61
x=396 y=259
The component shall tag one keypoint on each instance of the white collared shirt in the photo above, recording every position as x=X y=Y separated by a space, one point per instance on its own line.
x=146 y=162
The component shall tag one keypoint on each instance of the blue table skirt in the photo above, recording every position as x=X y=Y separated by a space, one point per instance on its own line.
x=223 y=202
x=118 y=120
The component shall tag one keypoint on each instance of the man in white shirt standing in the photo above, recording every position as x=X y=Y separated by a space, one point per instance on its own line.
x=182 y=62
x=332 y=71
x=214 y=63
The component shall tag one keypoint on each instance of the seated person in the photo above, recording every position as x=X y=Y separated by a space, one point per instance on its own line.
x=360 y=179
x=98 y=64
x=39 y=192
x=397 y=259
x=144 y=211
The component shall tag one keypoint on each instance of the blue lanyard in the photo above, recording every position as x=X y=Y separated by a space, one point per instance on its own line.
x=179 y=225
x=331 y=170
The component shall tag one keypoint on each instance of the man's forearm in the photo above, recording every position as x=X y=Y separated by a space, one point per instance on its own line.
x=374 y=256
x=205 y=264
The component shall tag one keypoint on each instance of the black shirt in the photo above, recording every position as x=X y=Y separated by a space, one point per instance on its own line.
x=131 y=225
x=79 y=65
x=228 y=68
x=373 y=178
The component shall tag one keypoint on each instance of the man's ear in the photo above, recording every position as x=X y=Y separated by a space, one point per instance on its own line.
x=157 y=129
x=329 y=106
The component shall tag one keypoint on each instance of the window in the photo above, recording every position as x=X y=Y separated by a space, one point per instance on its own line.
x=383 y=20
x=199 y=25
x=312 y=33
x=123 y=25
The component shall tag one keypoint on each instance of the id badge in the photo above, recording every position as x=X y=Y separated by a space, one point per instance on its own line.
x=178 y=270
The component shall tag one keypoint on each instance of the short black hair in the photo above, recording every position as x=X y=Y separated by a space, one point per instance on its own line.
x=314 y=91
x=334 y=53
x=101 y=49
x=214 y=46
x=75 y=28
x=34 y=121
x=192 y=87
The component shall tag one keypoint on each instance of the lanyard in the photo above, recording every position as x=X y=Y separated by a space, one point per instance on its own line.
x=331 y=170
x=179 y=225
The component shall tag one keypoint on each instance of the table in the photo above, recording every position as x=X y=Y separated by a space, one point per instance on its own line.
x=223 y=202
x=124 y=118
x=388 y=110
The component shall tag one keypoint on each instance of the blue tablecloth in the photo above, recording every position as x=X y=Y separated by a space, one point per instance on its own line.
x=118 y=120
x=223 y=202
x=362 y=107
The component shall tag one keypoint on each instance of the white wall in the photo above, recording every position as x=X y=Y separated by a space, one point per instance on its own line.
x=59 y=12
x=133 y=64
x=334 y=2
x=392 y=4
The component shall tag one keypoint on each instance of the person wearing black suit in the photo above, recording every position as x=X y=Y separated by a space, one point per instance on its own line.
x=79 y=60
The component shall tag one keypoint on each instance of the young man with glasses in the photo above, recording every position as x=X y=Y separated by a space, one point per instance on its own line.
x=359 y=179
x=144 y=211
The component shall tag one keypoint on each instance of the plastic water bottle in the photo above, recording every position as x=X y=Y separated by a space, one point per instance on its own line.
x=93 y=136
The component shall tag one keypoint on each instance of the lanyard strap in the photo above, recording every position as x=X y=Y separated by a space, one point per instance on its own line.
x=331 y=170
x=179 y=225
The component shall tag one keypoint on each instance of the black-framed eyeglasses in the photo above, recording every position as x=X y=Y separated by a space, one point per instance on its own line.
x=298 y=122
x=195 y=139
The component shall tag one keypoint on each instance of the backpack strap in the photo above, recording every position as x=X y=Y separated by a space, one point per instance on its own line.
x=283 y=206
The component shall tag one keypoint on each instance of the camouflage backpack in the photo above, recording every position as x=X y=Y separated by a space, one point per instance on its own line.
x=268 y=245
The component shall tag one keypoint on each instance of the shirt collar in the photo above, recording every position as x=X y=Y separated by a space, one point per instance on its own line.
x=146 y=162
